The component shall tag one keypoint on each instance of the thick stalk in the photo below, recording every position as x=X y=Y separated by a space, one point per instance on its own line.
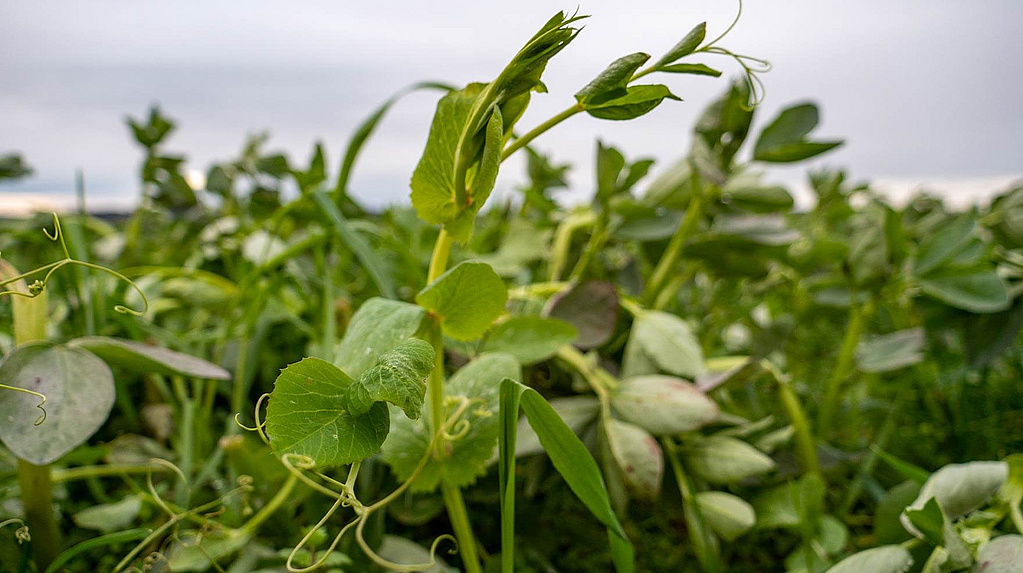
x=459 y=517
x=35 y=481
x=672 y=254
x=843 y=367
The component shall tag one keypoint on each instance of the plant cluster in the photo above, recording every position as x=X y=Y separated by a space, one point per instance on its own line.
x=687 y=374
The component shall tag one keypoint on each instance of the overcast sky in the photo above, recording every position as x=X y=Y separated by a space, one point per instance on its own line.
x=922 y=90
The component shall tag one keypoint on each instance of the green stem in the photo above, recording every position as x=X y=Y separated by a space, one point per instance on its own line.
x=452 y=495
x=806 y=447
x=459 y=517
x=597 y=239
x=703 y=540
x=540 y=129
x=843 y=367
x=272 y=506
x=30 y=316
x=563 y=241
x=88 y=472
x=672 y=254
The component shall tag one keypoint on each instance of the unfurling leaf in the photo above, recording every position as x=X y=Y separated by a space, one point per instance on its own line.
x=687 y=45
x=398 y=377
x=614 y=78
x=375 y=329
x=784 y=139
x=630 y=104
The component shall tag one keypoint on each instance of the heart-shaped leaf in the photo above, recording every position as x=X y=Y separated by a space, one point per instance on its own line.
x=375 y=329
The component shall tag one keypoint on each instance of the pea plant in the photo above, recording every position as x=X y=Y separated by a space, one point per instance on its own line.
x=687 y=373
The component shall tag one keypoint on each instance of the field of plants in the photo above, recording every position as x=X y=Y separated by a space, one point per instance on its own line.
x=684 y=374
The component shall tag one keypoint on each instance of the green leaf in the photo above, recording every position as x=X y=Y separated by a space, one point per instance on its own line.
x=568 y=455
x=366 y=128
x=892 y=351
x=577 y=412
x=1000 y=555
x=398 y=377
x=433 y=192
x=962 y=488
x=728 y=515
x=144 y=358
x=721 y=460
x=529 y=339
x=887 y=524
x=614 y=78
x=306 y=415
x=375 y=329
x=663 y=405
x=634 y=102
x=400 y=550
x=942 y=247
x=692 y=69
x=465 y=458
x=638 y=458
x=591 y=307
x=664 y=340
x=107 y=517
x=687 y=45
x=79 y=390
x=466 y=299
x=979 y=291
x=885 y=559
x=370 y=260
x=784 y=139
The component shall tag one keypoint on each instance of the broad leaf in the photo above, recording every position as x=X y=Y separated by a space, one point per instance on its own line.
x=720 y=459
x=529 y=339
x=307 y=415
x=634 y=102
x=637 y=457
x=568 y=455
x=728 y=515
x=433 y=192
x=663 y=405
x=891 y=351
x=975 y=291
x=944 y=245
x=107 y=517
x=784 y=139
x=144 y=358
x=466 y=299
x=591 y=307
x=664 y=340
x=398 y=377
x=962 y=488
x=375 y=329
x=1000 y=555
x=885 y=559
x=614 y=78
x=465 y=458
x=79 y=390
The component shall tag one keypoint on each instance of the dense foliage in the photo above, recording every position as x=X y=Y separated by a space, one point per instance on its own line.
x=686 y=374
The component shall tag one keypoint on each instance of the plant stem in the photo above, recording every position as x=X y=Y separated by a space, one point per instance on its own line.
x=843 y=367
x=452 y=495
x=459 y=517
x=806 y=448
x=35 y=482
x=88 y=472
x=703 y=540
x=673 y=253
x=271 y=506
x=540 y=129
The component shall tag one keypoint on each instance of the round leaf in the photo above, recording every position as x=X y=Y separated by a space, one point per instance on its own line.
x=728 y=515
x=885 y=559
x=79 y=390
x=591 y=307
x=467 y=299
x=720 y=459
x=638 y=456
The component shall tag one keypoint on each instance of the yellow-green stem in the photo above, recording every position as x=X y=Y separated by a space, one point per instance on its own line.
x=452 y=495
x=539 y=130
x=843 y=367
x=672 y=254
x=806 y=448
x=35 y=481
